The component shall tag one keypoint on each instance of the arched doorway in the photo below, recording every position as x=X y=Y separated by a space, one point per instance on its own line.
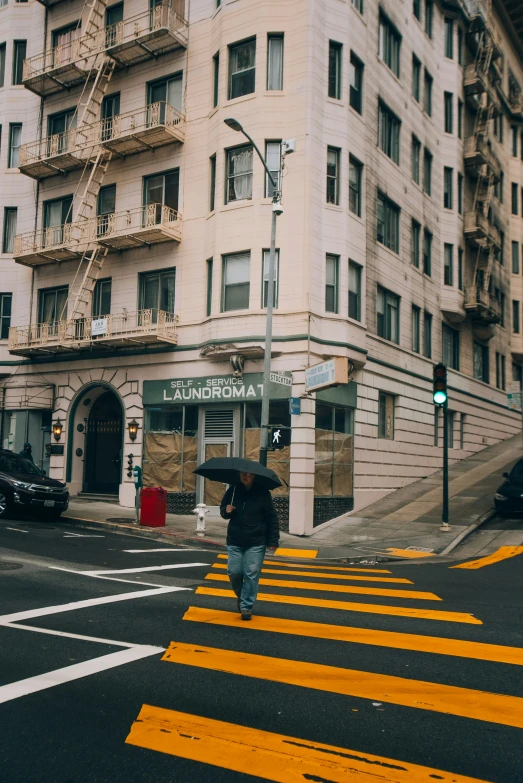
x=103 y=446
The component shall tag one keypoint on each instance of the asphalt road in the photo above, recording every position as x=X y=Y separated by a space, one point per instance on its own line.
x=102 y=679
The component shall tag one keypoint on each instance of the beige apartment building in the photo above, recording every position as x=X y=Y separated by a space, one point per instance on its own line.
x=136 y=228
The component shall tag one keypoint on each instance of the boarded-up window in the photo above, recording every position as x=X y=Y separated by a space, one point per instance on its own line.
x=171 y=445
x=333 y=473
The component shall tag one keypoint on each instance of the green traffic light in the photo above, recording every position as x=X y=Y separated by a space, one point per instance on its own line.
x=440 y=397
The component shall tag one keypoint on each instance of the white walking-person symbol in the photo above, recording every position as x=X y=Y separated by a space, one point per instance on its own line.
x=276 y=435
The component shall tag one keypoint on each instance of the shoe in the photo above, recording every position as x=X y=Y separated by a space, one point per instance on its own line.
x=246 y=615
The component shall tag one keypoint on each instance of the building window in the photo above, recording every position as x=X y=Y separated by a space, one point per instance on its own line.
x=415 y=243
x=448 y=196
x=449 y=112
x=15 y=142
x=354 y=291
x=416 y=329
x=449 y=38
x=335 y=52
x=333 y=175
x=448 y=265
x=2 y=64
x=460 y=269
x=274 y=62
x=429 y=17
x=106 y=206
x=236 y=282
x=168 y=90
x=389 y=48
x=501 y=255
x=212 y=182
x=416 y=78
x=515 y=134
x=265 y=282
x=500 y=371
x=515 y=258
x=215 y=79
x=515 y=189
x=239 y=174
x=502 y=308
x=358 y=5
x=427 y=252
x=427 y=95
x=5 y=315
x=388 y=315
x=460 y=118
x=52 y=305
x=386 y=416
x=162 y=190
x=10 y=217
x=498 y=187
x=450 y=347
x=355 y=185
x=388 y=223
x=450 y=428
x=102 y=298
x=416 y=9
x=416 y=159
x=331 y=283
x=427 y=172
x=389 y=127
x=333 y=469
x=209 y=265
x=356 y=83
x=460 y=194
x=481 y=363
x=460 y=46
x=498 y=127
x=157 y=291
x=427 y=335
x=273 y=161
x=19 y=55
x=515 y=315
x=242 y=68
x=57 y=213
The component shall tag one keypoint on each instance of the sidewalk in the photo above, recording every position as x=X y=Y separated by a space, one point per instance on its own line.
x=404 y=524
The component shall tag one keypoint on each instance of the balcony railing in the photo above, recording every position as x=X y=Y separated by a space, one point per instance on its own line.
x=479 y=229
x=56 y=154
x=142 y=226
x=482 y=305
x=141 y=37
x=135 y=131
x=118 y=329
x=477 y=152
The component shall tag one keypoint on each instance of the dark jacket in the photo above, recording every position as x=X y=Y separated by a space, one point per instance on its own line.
x=254 y=521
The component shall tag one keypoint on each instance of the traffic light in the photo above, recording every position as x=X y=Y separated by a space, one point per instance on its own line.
x=130 y=466
x=439 y=393
x=279 y=437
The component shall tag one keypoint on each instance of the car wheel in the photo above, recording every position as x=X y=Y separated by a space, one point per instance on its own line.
x=5 y=504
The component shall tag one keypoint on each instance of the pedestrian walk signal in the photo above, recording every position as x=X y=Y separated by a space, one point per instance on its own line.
x=439 y=393
x=279 y=437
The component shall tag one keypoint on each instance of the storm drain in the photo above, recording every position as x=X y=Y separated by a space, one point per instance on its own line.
x=5 y=565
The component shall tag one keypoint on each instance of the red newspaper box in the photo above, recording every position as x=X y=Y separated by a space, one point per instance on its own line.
x=153 y=507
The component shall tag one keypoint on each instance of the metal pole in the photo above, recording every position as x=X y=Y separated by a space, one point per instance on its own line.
x=445 y=515
x=268 y=342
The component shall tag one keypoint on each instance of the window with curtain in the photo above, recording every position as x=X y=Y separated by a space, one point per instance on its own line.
x=10 y=218
x=239 y=174
x=242 y=68
x=162 y=189
x=102 y=298
x=356 y=68
x=355 y=185
x=167 y=90
x=388 y=223
x=354 y=291
x=265 y=282
x=388 y=315
x=5 y=315
x=416 y=329
x=333 y=175
x=62 y=42
x=389 y=127
x=15 y=142
x=19 y=55
x=57 y=125
x=331 y=283
x=157 y=290
x=51 y=304
x=236 y=282
x=275 y=61
x=273 y=161
x=57 y=213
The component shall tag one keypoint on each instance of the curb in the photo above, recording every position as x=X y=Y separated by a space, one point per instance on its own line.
x=482 y=520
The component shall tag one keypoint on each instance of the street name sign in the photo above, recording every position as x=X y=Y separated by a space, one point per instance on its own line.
x=330 y=373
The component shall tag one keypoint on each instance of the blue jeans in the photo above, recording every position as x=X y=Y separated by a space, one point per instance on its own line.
x=243 y=568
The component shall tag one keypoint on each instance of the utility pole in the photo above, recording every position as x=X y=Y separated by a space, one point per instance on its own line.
x=441 y=400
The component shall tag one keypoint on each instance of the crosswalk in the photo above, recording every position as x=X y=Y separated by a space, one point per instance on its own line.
x=260 y=752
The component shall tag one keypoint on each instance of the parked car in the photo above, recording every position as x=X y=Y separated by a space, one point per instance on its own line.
x=25 y=488
x=509 y=496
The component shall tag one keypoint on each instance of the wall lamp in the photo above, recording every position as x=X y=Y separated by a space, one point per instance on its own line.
x=133 y=429
x=57 y=429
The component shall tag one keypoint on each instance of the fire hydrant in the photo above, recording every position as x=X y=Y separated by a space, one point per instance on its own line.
x=201 y=510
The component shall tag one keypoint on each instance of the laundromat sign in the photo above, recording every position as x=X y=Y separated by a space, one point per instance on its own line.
x=216 y=388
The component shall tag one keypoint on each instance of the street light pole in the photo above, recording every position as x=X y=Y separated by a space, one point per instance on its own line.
x=276 y=210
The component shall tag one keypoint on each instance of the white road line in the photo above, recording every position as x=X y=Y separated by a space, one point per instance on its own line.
x=142 y=569
x=17 y=529
x=80 y=535
x=140 y=551
x=68 y=635
x=110 y=578
x=69 y=673
x=107 y=599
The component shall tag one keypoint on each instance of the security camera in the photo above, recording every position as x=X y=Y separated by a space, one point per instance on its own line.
x=277 y=208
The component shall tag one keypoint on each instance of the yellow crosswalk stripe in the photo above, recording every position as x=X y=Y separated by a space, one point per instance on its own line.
x=282 y=564
x=350 y=606
x=408 y=553
x=503 y=553
x=282 y=552
x=382 y=591
x=274 y=757
x=355 y=578
x=431 y=696
x=459 y=648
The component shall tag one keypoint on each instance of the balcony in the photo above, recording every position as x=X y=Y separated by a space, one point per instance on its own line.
x=143 y=226
x=516 y=103
x=478 y=153
x=57 y=154
x=137 y=131
x=58 y=243
x=452 y=304
x=480 y=231
x=516 y=347
x=143 y=327
x=482 y=306
x=141 y=37
x=475 y=83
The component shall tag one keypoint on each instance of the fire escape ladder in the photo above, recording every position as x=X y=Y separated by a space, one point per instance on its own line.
x=85 y=280
x=89 y=108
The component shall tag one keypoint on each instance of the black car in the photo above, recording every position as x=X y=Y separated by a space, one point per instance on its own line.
x=25 y=488
x=509 y=496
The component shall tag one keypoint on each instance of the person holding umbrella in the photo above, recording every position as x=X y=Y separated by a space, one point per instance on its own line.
x=253 y=526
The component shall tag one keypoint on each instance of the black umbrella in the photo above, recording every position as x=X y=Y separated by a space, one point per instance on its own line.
x=228 y=469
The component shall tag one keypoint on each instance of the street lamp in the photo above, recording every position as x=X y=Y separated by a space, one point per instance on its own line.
x=276 y=210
